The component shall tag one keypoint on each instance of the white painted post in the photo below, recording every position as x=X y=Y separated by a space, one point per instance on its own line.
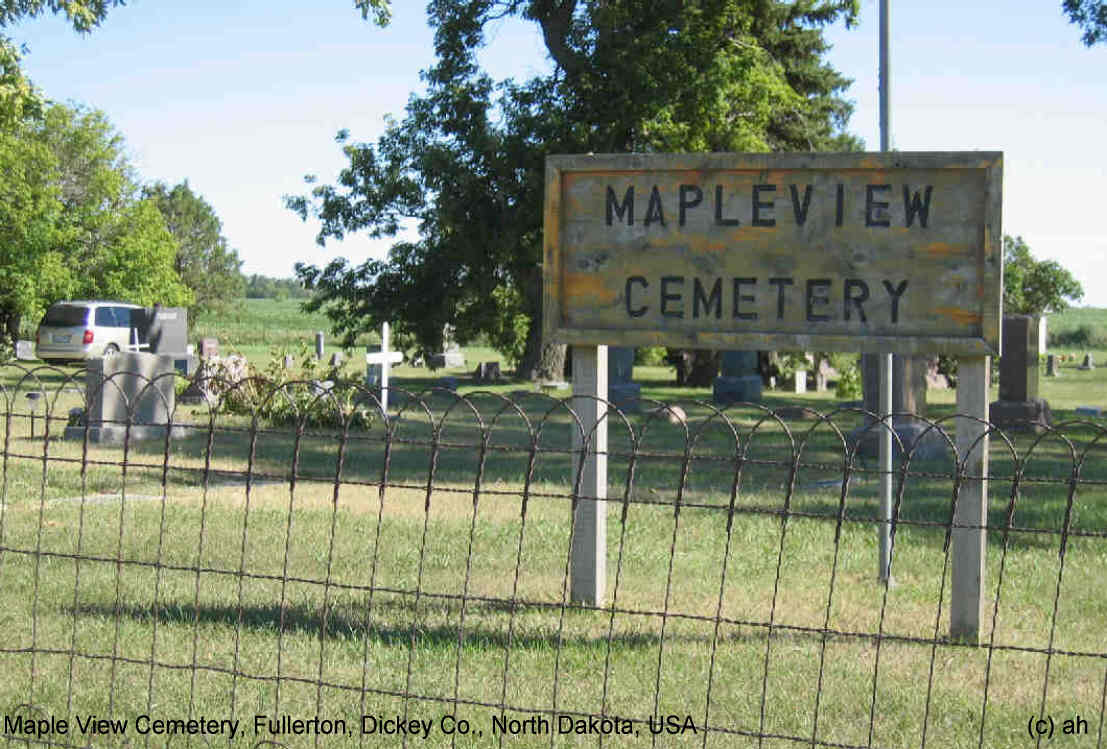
x=886 y=430
x=385 y=359
x=972 y=502
x=588 y=555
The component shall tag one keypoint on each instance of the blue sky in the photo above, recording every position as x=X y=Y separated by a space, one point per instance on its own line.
x=243 y=99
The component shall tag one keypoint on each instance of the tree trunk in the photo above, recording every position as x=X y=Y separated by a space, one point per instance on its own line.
x=541 y=360
x=11 y=326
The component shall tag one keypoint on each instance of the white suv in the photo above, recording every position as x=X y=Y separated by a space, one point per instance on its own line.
x=74 y=331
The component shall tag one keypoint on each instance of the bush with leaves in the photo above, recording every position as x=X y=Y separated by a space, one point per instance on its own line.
x=312 y=392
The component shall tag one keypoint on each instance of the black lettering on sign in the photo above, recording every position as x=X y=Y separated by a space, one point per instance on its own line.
x=800 y=209
x=690 y=197
x=636 y=311
x=818 y=292
x=840 y=201
x=758 y=205
x=716 y=299
x=780 y=283
x=654 y=211
x=719 y=220
x=876 y=211
x=740 y=297
x=857 y=299
x=913 y=205
x=626 y=209
x=895 y=293
x=666 y=297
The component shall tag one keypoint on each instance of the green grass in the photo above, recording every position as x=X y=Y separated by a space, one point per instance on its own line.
x=166 y=587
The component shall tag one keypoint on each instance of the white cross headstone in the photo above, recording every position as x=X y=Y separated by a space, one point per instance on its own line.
x=384 y=359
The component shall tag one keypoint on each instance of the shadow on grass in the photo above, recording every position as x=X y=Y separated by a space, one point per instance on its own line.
x=345 y=621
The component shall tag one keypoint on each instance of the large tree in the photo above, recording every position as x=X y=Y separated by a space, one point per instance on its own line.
x=19 y=99
x=1035 y=287
x=466 y=163
x=72 y=223
x=205 y=262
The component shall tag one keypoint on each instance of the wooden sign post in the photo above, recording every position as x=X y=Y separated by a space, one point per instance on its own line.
x=861 y=252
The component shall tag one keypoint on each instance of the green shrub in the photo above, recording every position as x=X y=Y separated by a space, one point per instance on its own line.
x=650 y=356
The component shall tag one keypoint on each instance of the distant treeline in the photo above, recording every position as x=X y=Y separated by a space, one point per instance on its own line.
x=264 y=287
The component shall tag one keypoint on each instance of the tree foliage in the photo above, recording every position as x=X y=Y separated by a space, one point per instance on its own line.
x=1090 y=16
x=19 y=99
x=204 y=261
x=466 y=163
x=1034 y=287
x=264 y=287
x=72 y=223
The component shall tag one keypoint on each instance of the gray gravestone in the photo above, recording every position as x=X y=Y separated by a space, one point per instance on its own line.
x=289 y=361
x=1089 y=362
x=209 y=348
x=739 y=380
x=488 y=371
x=1019 y=406
x=128 y=389
x=909 y=382
x=621 y=392
x=1052 y=370
x=319 y=345
x=24 y=350
x=337 y=358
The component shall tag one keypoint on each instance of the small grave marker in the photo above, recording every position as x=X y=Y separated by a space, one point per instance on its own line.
x=24 y=350
x=209 y=348
x=319 y=344
x=378 y=365
x=1089 y=362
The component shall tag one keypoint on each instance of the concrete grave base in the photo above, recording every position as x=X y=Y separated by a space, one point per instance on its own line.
x=1022 y=416
x=746 y=388
x=115 y=434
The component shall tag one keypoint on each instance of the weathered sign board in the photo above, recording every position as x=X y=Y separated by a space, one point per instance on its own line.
x=892 y=252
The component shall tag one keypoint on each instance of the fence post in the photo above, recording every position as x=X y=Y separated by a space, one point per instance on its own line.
x=972 y=502
x=588 y=555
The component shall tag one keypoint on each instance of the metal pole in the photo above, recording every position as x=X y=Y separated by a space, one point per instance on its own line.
x=885 y=79
x=885 y=532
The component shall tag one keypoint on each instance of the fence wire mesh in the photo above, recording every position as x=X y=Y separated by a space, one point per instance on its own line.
x=286 y=565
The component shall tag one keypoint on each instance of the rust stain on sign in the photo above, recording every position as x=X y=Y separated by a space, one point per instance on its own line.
x=960 y=316
x=835 y=251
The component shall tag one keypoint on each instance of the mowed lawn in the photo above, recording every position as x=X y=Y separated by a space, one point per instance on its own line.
x=422 y=572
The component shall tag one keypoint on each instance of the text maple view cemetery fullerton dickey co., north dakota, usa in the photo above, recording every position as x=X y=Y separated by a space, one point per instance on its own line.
x=856 y=252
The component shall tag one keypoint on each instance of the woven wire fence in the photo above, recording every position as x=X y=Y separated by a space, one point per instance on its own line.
x=251 y=564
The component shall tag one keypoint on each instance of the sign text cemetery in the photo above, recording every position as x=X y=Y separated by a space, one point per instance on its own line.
x=864 y=252
x=852 y=252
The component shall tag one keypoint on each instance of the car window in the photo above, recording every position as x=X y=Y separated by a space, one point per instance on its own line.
x=105 y=317
x=122 y=317
x=65 y=315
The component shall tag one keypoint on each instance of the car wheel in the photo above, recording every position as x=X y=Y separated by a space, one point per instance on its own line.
x=111 y=350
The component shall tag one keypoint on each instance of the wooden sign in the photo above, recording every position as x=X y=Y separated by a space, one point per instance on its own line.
x=852 y=252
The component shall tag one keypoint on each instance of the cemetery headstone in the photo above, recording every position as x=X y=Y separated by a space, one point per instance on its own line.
x=824 y=375
x=319 y=348
x=739 y=380
x=289 y=361
x=800 y=381
x=621 y=392
x=209 y=348
x=909 y=381
x=1052 y=367
x=24 y=350
x=487 y=371
x=935 y=380
x=337 y=358
x=1088 y=363
x=164 y=330
x=1019 y=406
x=451 y=354
x=134 y=390
x=378 y=364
